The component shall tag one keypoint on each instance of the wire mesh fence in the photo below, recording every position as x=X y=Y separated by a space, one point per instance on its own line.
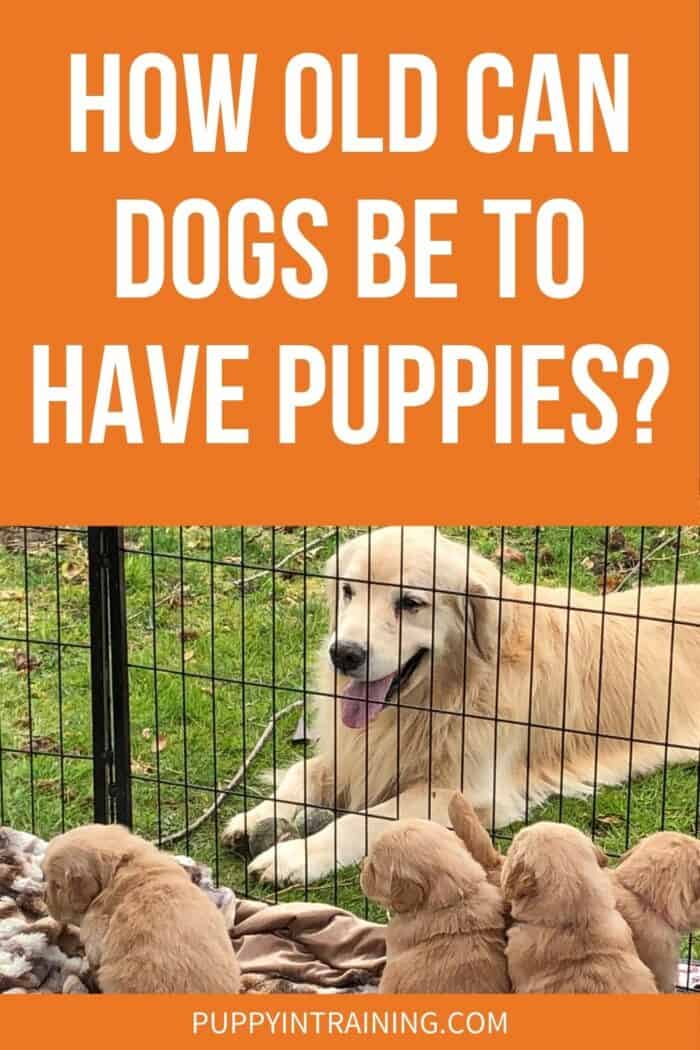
x=156 y=675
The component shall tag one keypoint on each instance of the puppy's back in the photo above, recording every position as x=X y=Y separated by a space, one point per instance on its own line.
x=459 y=950
x=656 y=944
x=577 y=959
x=446 y=965
x=164 y=934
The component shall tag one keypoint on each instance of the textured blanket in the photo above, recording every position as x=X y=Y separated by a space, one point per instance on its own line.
x=281 y=948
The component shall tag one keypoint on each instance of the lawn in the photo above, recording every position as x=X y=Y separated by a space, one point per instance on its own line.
x=218 y=644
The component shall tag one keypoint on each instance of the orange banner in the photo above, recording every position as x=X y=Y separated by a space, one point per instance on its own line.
x=595 y=426
x=532 y=1022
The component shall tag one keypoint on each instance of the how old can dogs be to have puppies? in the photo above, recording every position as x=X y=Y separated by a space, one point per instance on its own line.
x=149 y=386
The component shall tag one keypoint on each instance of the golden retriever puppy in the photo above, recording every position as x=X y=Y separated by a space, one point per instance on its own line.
x=657 y=891
x=475 y=837
x=566 y=934
x=144 y=925
x=447 y=931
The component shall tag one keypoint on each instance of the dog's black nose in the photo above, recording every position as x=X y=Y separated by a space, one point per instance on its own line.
x=347 y=656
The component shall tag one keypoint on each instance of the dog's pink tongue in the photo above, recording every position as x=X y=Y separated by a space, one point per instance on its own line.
x=362 y=701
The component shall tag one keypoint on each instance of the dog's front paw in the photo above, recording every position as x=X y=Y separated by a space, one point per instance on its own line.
x=295 y=861
x=236 y=832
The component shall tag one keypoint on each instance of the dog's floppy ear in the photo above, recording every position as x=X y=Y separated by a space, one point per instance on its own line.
x=405 y=893
x=334 y=592
x=482 y=618
x=477 y=609
x=473 y=834
x=518 y=883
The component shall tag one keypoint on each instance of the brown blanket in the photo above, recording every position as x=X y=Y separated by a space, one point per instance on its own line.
x=281 y=948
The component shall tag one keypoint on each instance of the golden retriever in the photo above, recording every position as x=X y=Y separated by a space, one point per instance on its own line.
x=440 y=674
x=447 y=931
x=566 y=934
x=657 y=892
x=144 y=925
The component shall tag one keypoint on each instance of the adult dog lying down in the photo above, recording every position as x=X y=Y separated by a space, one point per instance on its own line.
x=428 y=682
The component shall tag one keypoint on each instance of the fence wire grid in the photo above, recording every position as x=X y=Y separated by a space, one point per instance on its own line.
x=156 y=675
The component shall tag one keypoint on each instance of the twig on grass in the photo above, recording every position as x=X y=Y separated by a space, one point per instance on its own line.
x=309 y=548
x=234 y=781
x=650 y=557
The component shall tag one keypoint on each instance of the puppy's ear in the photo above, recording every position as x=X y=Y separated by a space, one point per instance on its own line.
x=405 y=894
x=72 y=891
x=82 y=888
x=519 y=883
x=473 y=834
x=600 y=856
x=696 y=879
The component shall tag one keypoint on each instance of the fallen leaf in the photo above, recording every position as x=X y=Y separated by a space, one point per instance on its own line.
x=629 y=558
x=510 y=554
x=588 y=563
x=196 y=541
x=146 y=733
x=159 y=744
x=610 y=821
x=74 y=571
x=140 y=767
x=187 y=656
x=42 y=743
x=11 y=596
x=617 y=540
x=24 y=662
x=546 y=556
x=177 y=598
x=47 y=785
x=189 y=634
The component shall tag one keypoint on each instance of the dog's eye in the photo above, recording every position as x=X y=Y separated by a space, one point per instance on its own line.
x=409 y=603
x=347 y=592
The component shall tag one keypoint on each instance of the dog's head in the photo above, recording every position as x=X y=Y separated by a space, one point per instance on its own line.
x=664 y=871
x=552 y=873
x=419 y=865
x=401 y=600
x=80 y=864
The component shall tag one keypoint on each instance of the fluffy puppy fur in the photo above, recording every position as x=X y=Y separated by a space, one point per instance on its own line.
x=475 y=837
x=144 y=925
x=566 y=934
x=447 y=931
x=657 y=891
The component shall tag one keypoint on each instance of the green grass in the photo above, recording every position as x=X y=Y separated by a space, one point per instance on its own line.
x=205 y=617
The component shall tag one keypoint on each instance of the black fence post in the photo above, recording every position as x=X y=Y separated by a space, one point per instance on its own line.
x=110 y=677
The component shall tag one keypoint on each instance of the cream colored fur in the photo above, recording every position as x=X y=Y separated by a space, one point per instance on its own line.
x=507 y=710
